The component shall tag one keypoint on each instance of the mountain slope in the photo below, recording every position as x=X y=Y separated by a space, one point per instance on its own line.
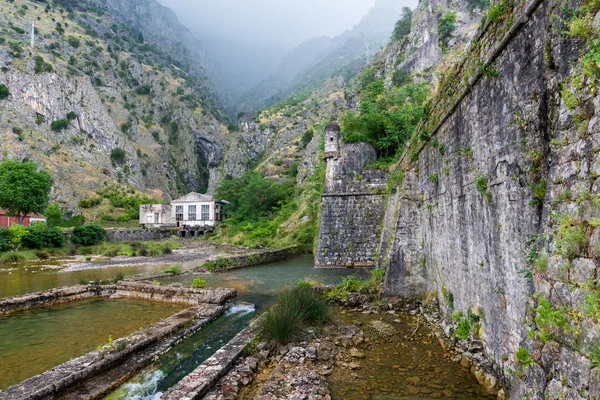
x=93 y=85
x=319 y=58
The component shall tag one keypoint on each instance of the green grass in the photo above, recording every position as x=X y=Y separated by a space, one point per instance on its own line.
x=173 y=269
x=17 y=257
x=594 y=356
x=296 y=307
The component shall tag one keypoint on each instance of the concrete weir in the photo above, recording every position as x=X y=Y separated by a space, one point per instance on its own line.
x=100 y=371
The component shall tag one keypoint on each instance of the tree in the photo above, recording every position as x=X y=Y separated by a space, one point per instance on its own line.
x=24 y=188
x=403 y=25
x=54 y=215
x=117 y=155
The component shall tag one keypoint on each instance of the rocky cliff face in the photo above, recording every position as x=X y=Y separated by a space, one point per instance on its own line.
x=96 y=81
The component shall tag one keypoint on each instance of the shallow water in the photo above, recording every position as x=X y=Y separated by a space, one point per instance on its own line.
x=411 y=365
x=257 y=286
x=16 y=280
x=34 y=341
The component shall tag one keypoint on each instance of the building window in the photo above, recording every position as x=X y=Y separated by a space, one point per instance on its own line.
x=205 y=213
x=179 y=213
x=191 y=213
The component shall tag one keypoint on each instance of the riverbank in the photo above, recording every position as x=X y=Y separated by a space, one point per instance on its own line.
x=193 y=254
x=369 y=351
x=187 y=255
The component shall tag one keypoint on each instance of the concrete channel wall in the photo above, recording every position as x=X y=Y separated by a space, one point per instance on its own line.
x=133 y=290
x=58 y=380
x=200 y=381
x=111 y=364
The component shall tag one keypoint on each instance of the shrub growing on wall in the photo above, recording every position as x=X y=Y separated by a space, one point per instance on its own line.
x=41 y=236
x=88 y=235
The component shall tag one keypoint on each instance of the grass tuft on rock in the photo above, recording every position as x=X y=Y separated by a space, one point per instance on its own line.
x=295 y=308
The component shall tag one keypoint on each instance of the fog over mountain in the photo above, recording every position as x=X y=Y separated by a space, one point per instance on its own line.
x=251 y=41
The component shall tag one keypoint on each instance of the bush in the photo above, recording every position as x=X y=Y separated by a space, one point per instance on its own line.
x=4 y=240
x=41 y=236
x=59 y=125
x=15 y=235
x=143 y=90
x=400 y=77
x=307 y=137
x=572 y=240
x=4 y=93
x=41 y=66
x=295 y=307
x=71 y=116
x=88 y=235
x=74 y=42
x=198 y=283
x=446 y=27
x=117 y=155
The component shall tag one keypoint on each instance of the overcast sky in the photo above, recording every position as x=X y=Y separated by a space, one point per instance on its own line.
x=281 y=23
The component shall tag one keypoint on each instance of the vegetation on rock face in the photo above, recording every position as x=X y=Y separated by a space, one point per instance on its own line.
x=386 y=118
x=446 y=26
x=117 y=155
x=24 y=188
x=403 y=26
x=4 y=92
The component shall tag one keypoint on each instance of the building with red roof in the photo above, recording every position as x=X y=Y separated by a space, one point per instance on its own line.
x=6 y=220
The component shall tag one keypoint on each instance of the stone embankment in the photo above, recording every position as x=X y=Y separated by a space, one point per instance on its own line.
x=199 y=382
x=153 y=340
x=134 y=290
x=100 y=371
x=248 y=260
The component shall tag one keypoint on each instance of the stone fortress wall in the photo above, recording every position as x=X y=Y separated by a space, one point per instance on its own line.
x=353 y=204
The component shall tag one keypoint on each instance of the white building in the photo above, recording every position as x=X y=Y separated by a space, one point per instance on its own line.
x=191 y=210
x=155 y=214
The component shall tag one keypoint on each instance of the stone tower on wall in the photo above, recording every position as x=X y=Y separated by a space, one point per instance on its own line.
x=352 y=204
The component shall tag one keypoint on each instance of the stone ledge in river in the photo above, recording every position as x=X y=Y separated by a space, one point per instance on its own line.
x=57 y=380
x=134 y=290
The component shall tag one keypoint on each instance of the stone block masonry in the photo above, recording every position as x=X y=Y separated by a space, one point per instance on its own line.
x=200 y=381
x=508 y=233
x=353 y=204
